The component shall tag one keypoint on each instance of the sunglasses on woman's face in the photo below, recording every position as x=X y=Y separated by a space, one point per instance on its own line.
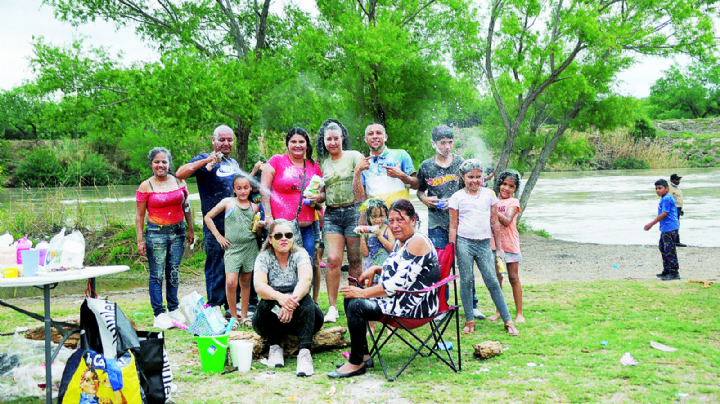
x=279 y=236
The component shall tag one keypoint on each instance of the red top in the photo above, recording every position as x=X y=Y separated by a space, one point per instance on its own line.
x=164 y=207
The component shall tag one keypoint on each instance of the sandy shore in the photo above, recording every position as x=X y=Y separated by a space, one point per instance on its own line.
x=547 y=260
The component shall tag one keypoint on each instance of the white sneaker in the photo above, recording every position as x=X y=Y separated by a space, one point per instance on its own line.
x=478 y=314
x=332 y=315
x=163 y=321
x=177 y=315
x=275 y=357
x=304 y=363
x=220 y=315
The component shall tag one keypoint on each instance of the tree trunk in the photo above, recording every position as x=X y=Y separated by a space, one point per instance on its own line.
x=545 y=154
x=242 y=141
x=378 y=111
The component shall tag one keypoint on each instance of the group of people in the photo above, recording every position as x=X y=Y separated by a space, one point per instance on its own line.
x=367 y=213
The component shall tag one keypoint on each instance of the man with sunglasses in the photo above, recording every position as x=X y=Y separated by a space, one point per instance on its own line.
x=387 y=173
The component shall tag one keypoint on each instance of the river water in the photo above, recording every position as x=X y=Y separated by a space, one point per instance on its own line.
x=605 y=207
x=611 y=207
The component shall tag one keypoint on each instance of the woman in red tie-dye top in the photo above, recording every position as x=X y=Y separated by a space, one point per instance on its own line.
x=164 y=198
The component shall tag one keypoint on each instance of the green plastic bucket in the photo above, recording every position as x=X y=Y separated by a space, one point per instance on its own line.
x=213 y=351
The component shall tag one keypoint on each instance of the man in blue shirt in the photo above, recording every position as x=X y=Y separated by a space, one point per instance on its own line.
x=215 y=173
x=386 y=173
x=669 y=225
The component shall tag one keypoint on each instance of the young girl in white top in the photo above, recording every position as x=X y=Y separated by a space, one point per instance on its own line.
x=472 y=219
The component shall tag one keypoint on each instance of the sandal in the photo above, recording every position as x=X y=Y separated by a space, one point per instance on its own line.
x=469 y=327
x=511 y=330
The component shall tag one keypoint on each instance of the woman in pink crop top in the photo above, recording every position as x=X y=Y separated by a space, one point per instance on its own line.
x=282 y=185
x=164 y=198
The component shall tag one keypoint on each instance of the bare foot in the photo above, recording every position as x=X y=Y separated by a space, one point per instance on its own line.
x=469 y=327
x=494 y=317
x=510 y=328
x=520 y=319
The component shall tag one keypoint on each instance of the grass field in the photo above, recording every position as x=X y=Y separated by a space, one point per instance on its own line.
x=559 y=356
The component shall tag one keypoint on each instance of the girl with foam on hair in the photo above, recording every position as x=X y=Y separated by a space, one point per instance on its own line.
x=473 y=219
x=508 y=210
x=376 y=246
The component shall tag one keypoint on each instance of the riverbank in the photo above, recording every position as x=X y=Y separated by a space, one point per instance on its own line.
x=550 y=260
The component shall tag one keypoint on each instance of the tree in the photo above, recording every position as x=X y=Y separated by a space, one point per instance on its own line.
x=686 y=93
x=385 y=57
x=25 y=114
x=242 y=45
x=572 y=50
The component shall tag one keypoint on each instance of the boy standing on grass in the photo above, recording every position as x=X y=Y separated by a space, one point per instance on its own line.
x=669 y=225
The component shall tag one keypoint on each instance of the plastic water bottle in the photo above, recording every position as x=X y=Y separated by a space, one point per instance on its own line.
x=43 y=247
x=500 y=263
x=445 y=346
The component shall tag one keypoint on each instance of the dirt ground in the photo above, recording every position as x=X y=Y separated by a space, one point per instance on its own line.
x=544 y=260
x=548 y=260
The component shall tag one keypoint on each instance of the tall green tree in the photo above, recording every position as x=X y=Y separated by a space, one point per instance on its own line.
x=387 y=59
x=692 y=92
x=572 y=49
x=25 y=114
x=235 y=52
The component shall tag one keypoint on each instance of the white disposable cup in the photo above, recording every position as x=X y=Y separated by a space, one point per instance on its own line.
x=241 y=354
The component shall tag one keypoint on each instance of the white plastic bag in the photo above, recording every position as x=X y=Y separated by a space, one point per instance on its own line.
x=6 y=240
x=65 y=251
x=54 y=254
x=73 y=251
x=191 y=305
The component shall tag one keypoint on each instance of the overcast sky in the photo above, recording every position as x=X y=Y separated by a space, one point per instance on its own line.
x=21 y=19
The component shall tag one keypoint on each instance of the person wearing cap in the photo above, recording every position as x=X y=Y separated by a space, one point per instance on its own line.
x=677 y=193
x=438 y=179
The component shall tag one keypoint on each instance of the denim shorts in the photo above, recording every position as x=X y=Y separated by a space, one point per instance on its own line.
x=341 y=220
x=511 y=257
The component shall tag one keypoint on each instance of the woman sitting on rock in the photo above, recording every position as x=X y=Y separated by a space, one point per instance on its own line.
x=282 y=278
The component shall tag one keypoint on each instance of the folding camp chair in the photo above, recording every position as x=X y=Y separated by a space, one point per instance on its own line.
x=434 y=344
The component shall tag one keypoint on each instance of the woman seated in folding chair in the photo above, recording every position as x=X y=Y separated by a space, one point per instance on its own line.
x=283 y=274
x=412 y=265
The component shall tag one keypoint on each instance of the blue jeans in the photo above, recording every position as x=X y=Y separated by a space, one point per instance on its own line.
x=478 y=252
x=308 y=236
x=439 y=237
x=164 y=246
x=214 y=270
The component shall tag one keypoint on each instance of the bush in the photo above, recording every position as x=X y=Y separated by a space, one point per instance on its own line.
x=629 y=163
x=40 y=168
x=643 y=129
x=93 y=170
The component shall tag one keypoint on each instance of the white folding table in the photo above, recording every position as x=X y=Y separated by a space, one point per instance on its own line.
x=46 y=282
